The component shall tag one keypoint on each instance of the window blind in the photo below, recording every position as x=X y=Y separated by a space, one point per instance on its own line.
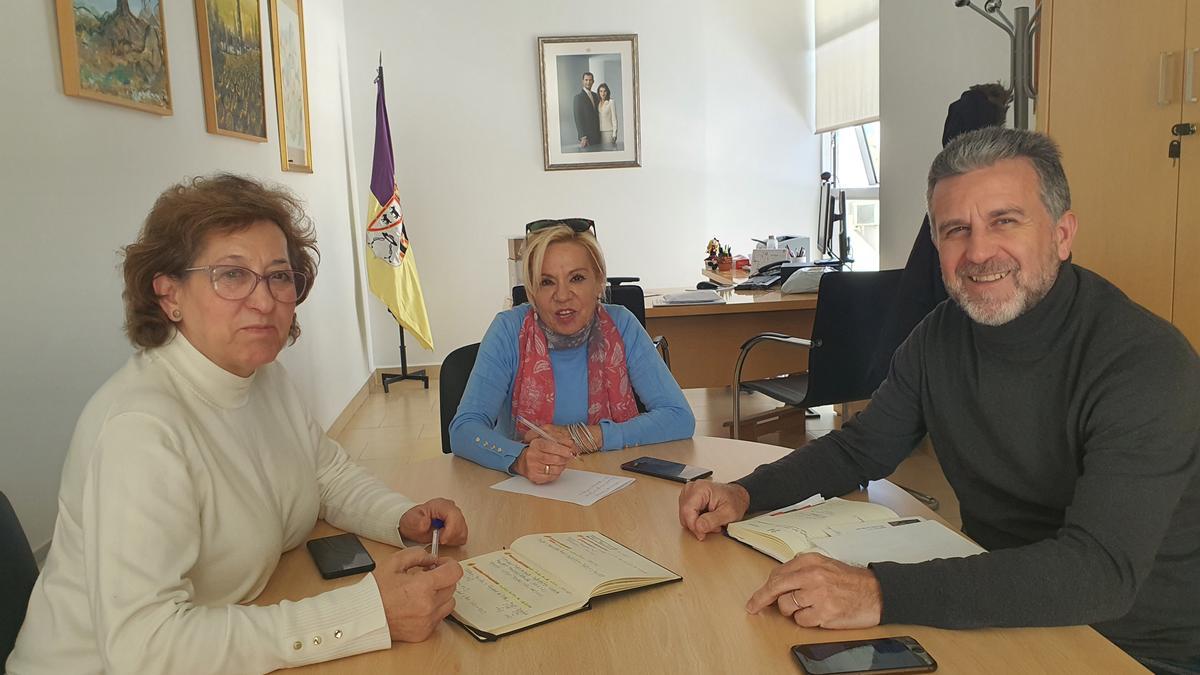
x=847 y=59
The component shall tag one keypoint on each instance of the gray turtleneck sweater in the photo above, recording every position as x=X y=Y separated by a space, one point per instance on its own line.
x=1071 y=436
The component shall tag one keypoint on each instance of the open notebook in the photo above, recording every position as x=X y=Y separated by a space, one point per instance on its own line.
x=857 y=533
x=546 y=576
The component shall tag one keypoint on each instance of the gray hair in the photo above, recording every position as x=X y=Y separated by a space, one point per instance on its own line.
x=982 y=148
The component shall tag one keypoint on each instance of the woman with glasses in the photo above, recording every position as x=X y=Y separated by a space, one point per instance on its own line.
x=557 y=377
x=197 y=464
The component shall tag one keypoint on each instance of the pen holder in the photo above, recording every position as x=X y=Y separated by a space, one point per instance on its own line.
x=724 y=263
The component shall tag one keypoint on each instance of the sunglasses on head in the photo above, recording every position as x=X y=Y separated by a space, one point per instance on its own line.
x=580 y=225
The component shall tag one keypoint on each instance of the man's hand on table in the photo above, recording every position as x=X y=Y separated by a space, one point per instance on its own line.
x=705 y=507
x=818 y=591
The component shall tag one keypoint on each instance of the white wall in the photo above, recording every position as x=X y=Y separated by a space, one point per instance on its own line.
x=727 y=151
x=727 y=144
x=929 y=52
x=76 y=179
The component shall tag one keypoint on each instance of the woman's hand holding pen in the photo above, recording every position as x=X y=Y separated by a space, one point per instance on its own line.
x=705 y=506
x=544 y=460
x=417 y=523
x=417 y=592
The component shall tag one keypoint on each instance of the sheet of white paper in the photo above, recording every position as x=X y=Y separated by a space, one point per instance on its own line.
x=578 y=487
x=913 y=542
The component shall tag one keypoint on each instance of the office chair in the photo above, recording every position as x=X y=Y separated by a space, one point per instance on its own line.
x=851 y=310
x=630 y=297
x=18 y=572
x=452 y=382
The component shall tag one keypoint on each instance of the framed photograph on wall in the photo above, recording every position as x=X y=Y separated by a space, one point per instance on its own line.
x=590 y=104
x=231 y=68
x=291 y=84
x=111 y=54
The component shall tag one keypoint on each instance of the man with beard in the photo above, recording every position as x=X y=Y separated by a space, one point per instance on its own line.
x=1063 y=414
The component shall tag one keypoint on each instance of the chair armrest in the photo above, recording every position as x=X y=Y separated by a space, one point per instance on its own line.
x=737 y=370
x=664 y=350
x=774 y=337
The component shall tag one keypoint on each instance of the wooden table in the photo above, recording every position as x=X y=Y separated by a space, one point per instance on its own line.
x=704 y=339
x=696 y=626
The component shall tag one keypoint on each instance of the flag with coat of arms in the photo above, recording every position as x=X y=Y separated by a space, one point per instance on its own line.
x=391 y=266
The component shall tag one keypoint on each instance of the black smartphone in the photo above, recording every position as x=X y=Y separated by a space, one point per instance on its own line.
x=900 y=654
x=661 y=468
x=340 y=556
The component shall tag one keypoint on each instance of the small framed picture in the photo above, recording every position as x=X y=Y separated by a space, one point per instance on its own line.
x=291 y=84
x=590 y=106
x=112 y=54
x=231 y=68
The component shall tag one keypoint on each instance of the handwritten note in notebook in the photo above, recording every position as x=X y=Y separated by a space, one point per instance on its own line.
x=578 y=487
x=544 y=576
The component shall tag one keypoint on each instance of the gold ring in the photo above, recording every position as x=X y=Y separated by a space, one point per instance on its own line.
x=547 y=472
x=798 y=608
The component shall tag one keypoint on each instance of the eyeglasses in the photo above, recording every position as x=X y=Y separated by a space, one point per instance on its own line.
x=579 y=225
x=237 y=283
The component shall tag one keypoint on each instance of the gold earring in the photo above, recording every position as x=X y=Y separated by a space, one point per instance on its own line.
x=176 y=315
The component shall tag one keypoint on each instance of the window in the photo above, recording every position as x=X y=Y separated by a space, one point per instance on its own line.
x=851 y=155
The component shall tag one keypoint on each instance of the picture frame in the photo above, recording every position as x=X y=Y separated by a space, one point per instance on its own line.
x=291 y=84
x=114 y=55
x=231 y=68
x=567 y=114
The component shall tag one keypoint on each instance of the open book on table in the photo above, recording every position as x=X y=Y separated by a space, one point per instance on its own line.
x=546 y=576
x=857 y=533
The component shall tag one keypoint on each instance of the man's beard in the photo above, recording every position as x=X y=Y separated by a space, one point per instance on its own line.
x=1029 y=289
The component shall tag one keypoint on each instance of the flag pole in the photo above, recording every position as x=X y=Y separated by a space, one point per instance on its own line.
x=390 y=277
x=389 y=378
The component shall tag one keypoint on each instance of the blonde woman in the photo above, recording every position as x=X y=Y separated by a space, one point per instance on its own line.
x=568 y=364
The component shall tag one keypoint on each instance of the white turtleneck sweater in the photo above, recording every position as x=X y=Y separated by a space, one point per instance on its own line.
x=182 y=486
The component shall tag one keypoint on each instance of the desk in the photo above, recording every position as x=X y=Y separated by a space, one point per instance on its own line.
x=704 y=339
x=696 y=626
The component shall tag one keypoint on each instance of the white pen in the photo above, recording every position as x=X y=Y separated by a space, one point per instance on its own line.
x=542 y=432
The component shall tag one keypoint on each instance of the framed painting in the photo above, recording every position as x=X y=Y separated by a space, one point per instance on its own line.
x=231 y=68
x=291 y=84
x=590 y=106
x=112 y=54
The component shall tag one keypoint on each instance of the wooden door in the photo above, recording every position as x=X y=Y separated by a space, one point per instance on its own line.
x=1100 y=99
x=1186 y=311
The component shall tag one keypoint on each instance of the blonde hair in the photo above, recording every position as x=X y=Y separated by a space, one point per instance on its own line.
x=537 y=243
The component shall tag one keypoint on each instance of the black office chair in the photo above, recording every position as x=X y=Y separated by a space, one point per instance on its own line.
x=452 y=382
x=851 y=307
x=630 y=297
x=18 y=572
x=851 y=310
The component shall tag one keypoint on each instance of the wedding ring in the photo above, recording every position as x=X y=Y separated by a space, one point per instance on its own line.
x=547 y=471
x=798 y=608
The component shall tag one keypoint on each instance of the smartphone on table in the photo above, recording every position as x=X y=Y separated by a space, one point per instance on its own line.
x=661 y=468
x=340 y=556
x=901 y=654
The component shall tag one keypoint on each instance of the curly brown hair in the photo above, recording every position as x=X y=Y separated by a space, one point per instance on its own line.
x=183 y=218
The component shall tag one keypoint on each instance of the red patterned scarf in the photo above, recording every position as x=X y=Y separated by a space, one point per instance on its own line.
x=610 y=395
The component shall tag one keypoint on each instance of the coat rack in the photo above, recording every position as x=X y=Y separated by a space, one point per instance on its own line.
x=1021 y=30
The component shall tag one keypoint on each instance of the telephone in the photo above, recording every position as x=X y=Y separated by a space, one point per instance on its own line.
x=766 y=277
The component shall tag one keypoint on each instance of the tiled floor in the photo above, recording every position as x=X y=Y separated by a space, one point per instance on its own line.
x=403 y=426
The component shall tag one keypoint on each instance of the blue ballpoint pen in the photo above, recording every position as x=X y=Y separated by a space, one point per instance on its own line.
x=438 y=524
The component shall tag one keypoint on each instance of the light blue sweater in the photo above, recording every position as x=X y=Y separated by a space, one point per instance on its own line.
x=482 y=430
